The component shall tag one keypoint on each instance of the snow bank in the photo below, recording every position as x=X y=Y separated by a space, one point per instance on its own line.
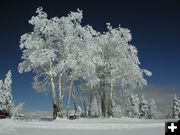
x=82 y=126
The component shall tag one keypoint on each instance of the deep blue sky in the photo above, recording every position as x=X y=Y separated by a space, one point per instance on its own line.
x=155 y=26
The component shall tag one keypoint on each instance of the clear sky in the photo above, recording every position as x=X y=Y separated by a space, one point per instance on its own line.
x=154 y=24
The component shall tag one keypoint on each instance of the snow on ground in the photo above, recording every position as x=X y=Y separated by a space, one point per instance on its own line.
x=83 y=127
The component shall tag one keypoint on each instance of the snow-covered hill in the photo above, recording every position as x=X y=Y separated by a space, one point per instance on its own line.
x=83 y=127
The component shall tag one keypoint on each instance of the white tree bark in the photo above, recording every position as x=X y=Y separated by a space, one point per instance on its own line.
x=110 y=106
x=60 y=97
x=75 y=99
x=69 y=99
x=53 y=91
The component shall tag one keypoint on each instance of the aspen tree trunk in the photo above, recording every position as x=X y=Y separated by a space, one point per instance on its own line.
x=53 y=91
x=103 y=96
x=83 y=103
x=60 y=109
x=68 y=100
x=103 y=105
x=110 y=106
x=85 y=108
x=102 y=102
x=54 y=97
x=75 y=99
x=91 y=97
x=99 y=107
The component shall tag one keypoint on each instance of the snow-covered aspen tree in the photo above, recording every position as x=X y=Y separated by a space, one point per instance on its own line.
x=77 y=54
x=50 y=51
x=72 y=53
x=8 y=92
x=118 y=63
x=89 y=63
x=65 y=37
x=176 y=107
x=39 y=55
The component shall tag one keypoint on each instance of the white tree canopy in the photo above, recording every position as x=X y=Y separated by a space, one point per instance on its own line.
x=59 y=48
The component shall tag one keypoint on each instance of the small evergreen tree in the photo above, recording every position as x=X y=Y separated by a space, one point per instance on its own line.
x=2 y=97
x=176 y=108
x=8 y=92
x=117 y=111
x=143 y=108
x=133 y=106
x=152 y=109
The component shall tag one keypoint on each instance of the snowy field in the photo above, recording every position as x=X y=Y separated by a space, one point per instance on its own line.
x=83 y=127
